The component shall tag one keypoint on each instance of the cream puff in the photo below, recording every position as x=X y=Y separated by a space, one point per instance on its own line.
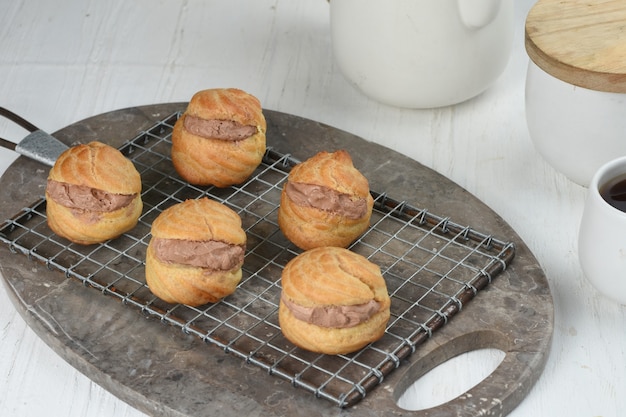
x=93 y=194
x=325 y=201
x=195 y=253
x=220 y=138
x=333 y=301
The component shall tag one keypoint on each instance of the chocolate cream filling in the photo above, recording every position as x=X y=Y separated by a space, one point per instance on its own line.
x=210 y=254
x=327 y=199
x=336 y=317
x=86 y=198
x=218 y=129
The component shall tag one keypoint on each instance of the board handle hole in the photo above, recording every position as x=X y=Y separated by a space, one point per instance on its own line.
x=450 y=379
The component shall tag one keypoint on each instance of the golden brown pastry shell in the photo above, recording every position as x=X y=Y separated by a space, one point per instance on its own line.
x=310 y=227
x=99 y=166
x=334 y=170
x=206 y=161
x=227 y=104
x=331 y=276
x=198 y=220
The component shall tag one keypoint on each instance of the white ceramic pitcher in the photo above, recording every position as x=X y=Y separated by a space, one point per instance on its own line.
x=422 y=53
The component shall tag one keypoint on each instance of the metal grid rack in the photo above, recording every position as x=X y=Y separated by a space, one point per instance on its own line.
x=432 y=267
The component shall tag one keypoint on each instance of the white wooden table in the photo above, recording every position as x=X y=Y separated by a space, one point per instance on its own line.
x=67 y=60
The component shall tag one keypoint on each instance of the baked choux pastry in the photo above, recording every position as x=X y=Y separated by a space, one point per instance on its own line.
x=93 y=194
x=195 y=253
x=220 y=138
x=333 y=301
x=326 y=201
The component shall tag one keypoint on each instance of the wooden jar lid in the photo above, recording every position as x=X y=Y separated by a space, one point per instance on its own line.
x=580 y=42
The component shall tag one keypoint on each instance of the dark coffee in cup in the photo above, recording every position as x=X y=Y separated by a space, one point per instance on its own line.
x=614 y=192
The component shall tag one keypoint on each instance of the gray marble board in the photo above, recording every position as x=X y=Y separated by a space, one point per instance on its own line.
x=109 y=342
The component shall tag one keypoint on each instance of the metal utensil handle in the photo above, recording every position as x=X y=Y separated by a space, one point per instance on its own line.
x=38 y=145
x=18 y=120
x=8 y=114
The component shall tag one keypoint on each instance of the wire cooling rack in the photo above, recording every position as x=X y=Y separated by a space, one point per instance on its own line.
x=432 y=267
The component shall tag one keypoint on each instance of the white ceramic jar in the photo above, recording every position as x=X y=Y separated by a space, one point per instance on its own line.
x=576 y=84
x=422 y=53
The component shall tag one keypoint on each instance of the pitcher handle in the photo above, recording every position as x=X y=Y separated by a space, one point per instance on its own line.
x=476 y=14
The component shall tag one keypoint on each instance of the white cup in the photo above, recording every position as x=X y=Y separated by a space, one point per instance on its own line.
x=602 y=235
x=422 y=53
